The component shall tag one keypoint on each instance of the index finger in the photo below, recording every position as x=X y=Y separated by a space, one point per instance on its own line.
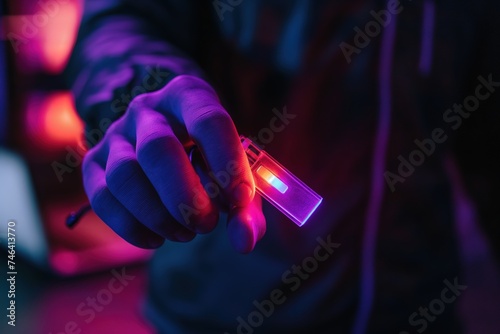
x=195 y=103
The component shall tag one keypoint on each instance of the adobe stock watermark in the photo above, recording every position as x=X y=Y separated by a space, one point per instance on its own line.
x=31 y=24
x=292 y=279
x=11 y=272
x=74 y=155
x=436 y=307
x=223 y=6
x=454 y=118
x=372 y=29
x=87 y=310
x=277 y=124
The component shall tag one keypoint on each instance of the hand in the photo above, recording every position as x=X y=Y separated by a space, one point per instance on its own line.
x=142 y=184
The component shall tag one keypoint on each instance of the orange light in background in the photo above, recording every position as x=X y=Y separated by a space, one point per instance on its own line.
x=43 y=36
x=58 y=36
x=52 y=122
x=61 y=121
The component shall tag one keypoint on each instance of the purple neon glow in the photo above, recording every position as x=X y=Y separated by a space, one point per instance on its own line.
x=367 y=279
x=427 y=37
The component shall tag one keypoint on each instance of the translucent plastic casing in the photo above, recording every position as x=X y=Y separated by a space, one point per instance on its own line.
x=280 y=187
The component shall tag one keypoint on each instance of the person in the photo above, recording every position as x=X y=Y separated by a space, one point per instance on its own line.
x=367 y=102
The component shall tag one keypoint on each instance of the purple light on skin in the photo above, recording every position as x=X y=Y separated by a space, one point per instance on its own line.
x=280 y=187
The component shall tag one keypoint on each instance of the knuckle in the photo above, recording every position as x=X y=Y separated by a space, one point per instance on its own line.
x=210 y=118
x=154 y=143
x=120 y=173
x=135 y=110
x=138 y=103
x=186 y=81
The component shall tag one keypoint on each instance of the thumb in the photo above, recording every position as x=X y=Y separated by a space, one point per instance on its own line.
x=246 y=225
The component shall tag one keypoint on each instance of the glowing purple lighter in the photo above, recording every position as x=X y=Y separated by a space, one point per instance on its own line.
x=280 y=187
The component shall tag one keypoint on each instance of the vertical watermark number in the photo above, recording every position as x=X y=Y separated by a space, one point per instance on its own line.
x=11 y=272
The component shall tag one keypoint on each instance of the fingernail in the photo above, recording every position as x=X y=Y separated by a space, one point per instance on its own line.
x=242 y=194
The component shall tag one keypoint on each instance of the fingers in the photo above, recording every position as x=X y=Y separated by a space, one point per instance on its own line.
x=167 y=166
x=130 y=186
x=246 y=226
x=195 y=104
x=140 y=180
x=109 y=209
x=211 y=187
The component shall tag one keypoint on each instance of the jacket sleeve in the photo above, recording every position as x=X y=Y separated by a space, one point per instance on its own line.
x=128 y=47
